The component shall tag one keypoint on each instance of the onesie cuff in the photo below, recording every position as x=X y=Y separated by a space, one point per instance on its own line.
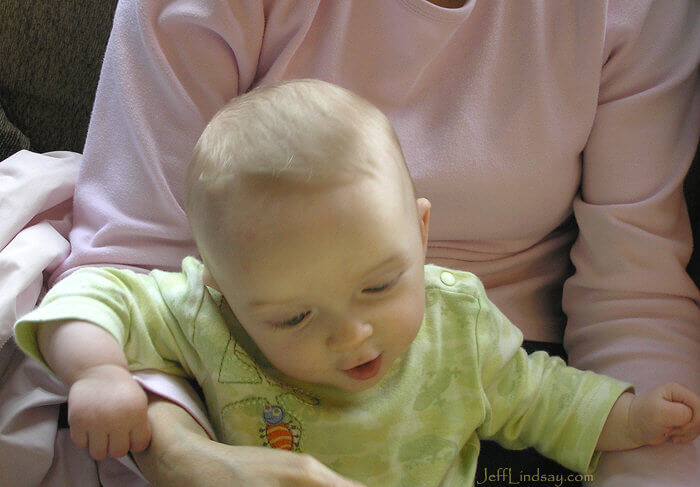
x=584 y=457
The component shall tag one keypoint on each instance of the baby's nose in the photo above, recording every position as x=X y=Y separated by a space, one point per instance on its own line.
x=348 y=335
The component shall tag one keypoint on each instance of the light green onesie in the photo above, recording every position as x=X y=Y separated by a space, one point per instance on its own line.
x=465 y=377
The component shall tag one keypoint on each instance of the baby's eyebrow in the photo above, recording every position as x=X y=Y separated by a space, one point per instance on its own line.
x=257 y=305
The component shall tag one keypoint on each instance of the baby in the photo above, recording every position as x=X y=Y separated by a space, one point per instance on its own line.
x=312 y=324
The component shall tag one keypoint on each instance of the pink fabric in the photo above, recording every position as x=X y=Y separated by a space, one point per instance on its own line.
x=177 y=390
x=32 y=451
x=512 y=115
x=35 y=218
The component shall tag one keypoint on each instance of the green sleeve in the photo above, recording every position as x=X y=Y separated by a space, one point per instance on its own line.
x=128 y=305
x=536 y=400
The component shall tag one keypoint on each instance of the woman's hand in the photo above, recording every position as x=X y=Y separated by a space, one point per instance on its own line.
x=181 y=454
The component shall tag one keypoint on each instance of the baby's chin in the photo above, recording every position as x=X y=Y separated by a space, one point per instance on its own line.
x=358 y=386
x=366 y=376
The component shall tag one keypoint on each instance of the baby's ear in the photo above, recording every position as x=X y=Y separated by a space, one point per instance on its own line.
x=209 y=280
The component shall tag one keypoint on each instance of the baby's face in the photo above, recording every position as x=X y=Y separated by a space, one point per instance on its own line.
x=330 y=285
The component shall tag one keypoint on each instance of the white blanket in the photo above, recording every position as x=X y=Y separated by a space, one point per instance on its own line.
x=36 y=193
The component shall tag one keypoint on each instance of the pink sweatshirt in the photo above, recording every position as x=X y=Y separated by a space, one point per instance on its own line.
x=515 y=116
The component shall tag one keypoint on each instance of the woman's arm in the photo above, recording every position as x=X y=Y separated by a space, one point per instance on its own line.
x=181 y=454
x=632 y=308
x=168 y=67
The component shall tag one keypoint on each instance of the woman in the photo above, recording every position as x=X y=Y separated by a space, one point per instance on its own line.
x=515 y=117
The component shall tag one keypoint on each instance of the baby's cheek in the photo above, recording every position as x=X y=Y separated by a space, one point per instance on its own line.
x=409 y=314
x=278 y=353
x=284 y=356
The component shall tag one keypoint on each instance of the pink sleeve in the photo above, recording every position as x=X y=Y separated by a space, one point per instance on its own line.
x=168 y=67
x=178 y=391
x=632 y=308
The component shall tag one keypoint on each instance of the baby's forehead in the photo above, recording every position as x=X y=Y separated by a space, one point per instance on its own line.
x=251 y=211
x=307 y=234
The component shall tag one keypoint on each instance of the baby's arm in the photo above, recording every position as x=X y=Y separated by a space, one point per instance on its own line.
x=668 y=411
x=106 y=406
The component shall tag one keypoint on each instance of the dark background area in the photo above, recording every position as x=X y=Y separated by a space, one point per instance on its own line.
x=50 y=58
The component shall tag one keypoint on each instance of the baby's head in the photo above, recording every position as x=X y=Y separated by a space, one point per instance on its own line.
x=305 y=217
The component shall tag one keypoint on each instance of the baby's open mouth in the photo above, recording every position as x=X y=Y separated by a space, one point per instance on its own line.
x=365 y=371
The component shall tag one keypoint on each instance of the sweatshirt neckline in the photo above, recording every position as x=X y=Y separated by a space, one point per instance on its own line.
x=429 y=10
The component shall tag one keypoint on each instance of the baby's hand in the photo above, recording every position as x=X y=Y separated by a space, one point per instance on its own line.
x=668 y=411
x=107 y=412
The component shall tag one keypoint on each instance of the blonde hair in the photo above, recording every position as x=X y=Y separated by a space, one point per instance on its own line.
x=301 y=131
x=300 y=134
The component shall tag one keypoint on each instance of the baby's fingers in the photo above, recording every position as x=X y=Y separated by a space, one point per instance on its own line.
x=683 y=412
x=688 y=432
x=97 y=447
x=140 y=438
x=95 y=441
x=683 y=438
x=118 y=445
x=678 y=393
x=683 y=406
x=676 y=414
x=79 y=437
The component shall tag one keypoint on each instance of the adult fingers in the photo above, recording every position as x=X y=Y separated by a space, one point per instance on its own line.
x=320 y=475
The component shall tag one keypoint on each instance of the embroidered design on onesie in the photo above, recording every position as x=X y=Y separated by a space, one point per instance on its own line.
x=277 y=432
x=238 y=367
